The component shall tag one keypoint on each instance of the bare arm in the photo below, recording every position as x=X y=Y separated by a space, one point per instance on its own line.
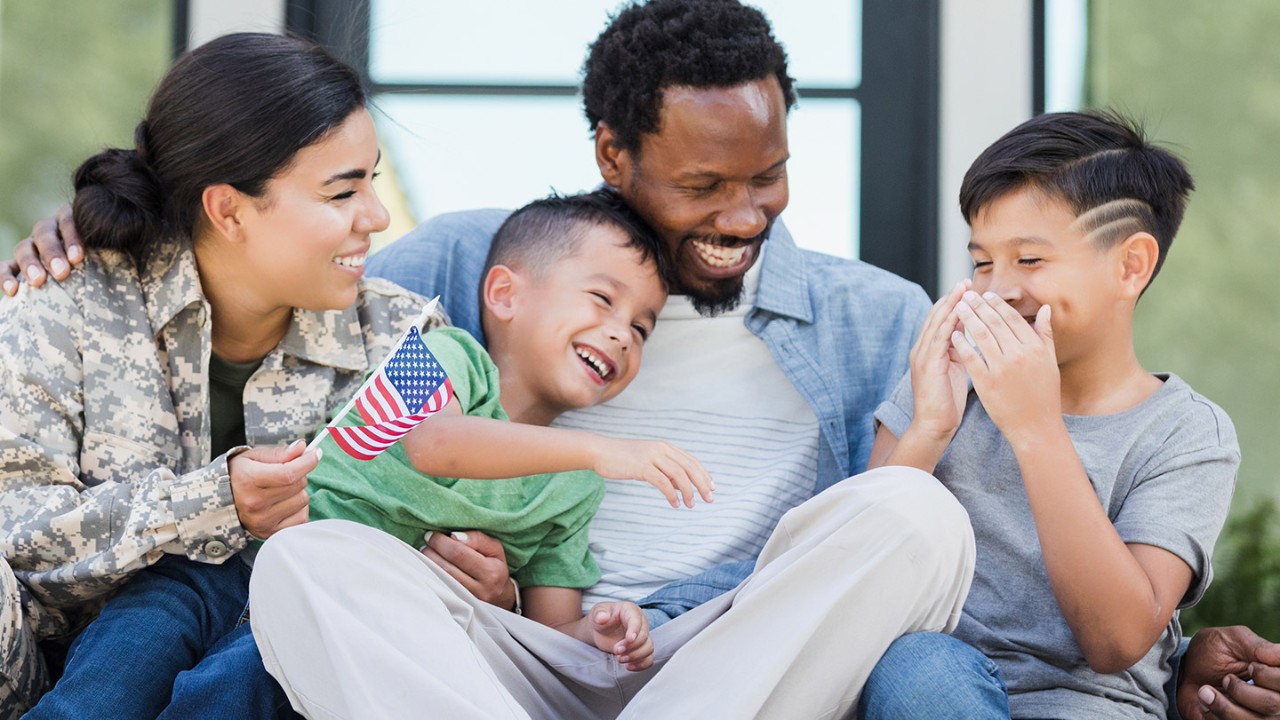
x=619 y=628
x=454 y=445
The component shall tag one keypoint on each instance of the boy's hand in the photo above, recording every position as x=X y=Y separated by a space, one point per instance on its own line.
x=622 y=629
x=674 y=472
x=939 y=384
x=53 y=242
x=1016 y=376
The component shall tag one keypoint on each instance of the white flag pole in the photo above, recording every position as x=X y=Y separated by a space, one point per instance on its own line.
x=422 y=318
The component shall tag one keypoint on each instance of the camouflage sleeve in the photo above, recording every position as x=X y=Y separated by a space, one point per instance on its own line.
x=23 y=676
x=72 y=533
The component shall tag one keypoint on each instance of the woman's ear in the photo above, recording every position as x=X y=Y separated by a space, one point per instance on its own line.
x=1138 y=255
x=223 y=205
x=501 y=286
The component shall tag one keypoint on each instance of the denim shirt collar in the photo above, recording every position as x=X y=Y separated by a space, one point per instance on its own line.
x=784 y=284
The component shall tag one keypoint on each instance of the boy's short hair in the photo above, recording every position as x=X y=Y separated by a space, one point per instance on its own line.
x=550 y=229
x=1099 y=163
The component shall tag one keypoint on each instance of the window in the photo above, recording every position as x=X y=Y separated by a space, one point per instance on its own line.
x=481 y=109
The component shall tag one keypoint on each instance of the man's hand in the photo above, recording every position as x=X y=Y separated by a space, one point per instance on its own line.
x=621 y=628
x=269 y=486
x=1016 y=375
x=477 y=561
x=1219 y=662
x=675 y=473
x=53 y=243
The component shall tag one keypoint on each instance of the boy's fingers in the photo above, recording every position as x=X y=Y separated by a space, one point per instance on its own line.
x=972 y=361
x=1017 y=324
x=939 y=315
x=678 y=477
x=1044 y=324
x=994 y=321
x=977 y=329
x=659 y=480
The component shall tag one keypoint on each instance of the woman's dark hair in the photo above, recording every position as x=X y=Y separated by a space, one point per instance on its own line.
x=651 y=46
x=234 y=110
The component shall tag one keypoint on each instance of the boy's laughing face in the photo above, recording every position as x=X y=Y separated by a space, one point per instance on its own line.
x=1031 y=250
x=580 y=325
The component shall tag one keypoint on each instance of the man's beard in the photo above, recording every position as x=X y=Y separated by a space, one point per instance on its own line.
x=721 y=297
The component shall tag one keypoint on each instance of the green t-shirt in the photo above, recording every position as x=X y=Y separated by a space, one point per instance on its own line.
x=541 y=520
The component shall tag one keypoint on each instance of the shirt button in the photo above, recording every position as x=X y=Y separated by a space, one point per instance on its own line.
x=215 y=548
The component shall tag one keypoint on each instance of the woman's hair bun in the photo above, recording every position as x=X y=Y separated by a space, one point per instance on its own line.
x=118 y=202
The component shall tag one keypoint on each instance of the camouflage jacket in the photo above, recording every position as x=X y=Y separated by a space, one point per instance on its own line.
x=104 y=433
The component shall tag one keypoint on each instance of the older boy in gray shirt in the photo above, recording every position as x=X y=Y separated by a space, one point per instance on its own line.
x=1096 y=489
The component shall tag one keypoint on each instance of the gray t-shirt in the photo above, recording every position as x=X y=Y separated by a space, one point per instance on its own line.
x=1164 y=470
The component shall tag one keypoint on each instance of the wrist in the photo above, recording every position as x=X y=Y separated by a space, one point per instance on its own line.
x=1038 y=435
x=516 y=606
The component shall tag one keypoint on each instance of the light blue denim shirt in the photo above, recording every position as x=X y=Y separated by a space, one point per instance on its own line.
x=840 y=329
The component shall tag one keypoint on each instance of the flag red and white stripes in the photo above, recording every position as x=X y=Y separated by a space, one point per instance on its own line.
x=409 y=387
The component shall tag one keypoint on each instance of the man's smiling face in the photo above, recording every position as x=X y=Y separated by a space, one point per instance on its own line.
x=710 y=182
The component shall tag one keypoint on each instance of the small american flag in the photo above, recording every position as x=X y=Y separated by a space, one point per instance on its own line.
x=409 y=387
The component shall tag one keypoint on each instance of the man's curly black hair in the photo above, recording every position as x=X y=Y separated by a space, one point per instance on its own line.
x=651 y=46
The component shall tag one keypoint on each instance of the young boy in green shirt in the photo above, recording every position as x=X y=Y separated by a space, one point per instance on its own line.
x=1096 y=488
x=571 y=290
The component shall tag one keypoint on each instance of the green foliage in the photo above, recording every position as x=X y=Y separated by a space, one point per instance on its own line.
x=1246 y=590
x=74 y=77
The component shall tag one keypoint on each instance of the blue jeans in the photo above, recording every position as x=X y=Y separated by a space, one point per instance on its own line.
x=172 y=644
x=932 y=675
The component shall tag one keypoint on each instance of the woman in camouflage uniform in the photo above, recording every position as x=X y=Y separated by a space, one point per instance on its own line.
x=220 y=314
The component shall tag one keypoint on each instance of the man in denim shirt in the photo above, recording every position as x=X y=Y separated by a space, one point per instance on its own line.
x=766 y=363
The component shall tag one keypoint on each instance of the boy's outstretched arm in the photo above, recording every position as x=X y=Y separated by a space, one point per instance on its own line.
x=939 y=388
x=454 y=445
x=620 y=628
x=1116 y=598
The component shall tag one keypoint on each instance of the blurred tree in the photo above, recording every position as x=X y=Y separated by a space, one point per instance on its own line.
x=74 y=77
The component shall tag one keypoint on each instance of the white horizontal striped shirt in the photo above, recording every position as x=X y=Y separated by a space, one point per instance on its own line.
x=711 y=388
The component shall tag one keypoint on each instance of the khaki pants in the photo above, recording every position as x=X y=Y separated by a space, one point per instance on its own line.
x=356 y=624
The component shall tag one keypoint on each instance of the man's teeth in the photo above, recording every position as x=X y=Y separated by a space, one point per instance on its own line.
x=719 y=256
x=601 y=367
x=350 y=260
